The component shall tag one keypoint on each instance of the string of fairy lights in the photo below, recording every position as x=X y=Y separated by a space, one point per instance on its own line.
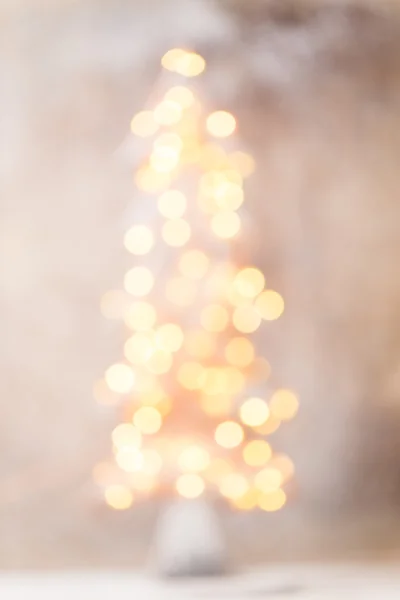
x=193 y=392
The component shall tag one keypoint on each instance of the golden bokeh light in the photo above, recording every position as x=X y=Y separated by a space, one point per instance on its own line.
x=168 y=113
x=164 y=159
x=150 y=181
x=254 y=412
x=176 y=233
x=194 y=459
x=181 y=291
x=172 y=204
x=139 y=240
x=148 y=420
x=190 y=485
x=246 y=319
x=140 y=316
x=129 y=459
x=218 y=468
x=139 y=281
x=194 y=264
x=235 y=380
x=214 y=318
x=229 y=434
x=239 y=352
x=284 y=405
x=188 y=64
x=260 y=370
x=229 y=196
x=126 y=435
x=200 y=344
x=248 y=501
x=284 y=465
x=268 y=480
x=235 y=298
x=226 y=224
x=139 y=348
x=249 y=282
x=152 y=462
x=181 y=95
x=216 y=405
x=213 y=157
x=169 y=337
x=143 y=124
x=169 y=141
x=273 y=501
x=190 y=375
x=270 y=426
x=257 y=453
x=171 y=59
x=221 y=124
x=118 y=497
x=233 y=486
x=270 y=305
x=120 y=378
x=243 y=162
x=113 y=304
x=160 y=362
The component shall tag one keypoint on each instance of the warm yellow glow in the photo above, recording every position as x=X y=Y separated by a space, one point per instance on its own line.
x=260 y=370
x=268 y=480
x=168 y=113
x=200 y=344
x=181 y=95
x=164 y=407
x=176 y=233
x=139 y=281
x=190 y=485
x=257 y=453
x=235 y=298
x=194 y=459
x=142 y=482
x=141 y=316
x=243 y=162
x=169 y=337
x=194 y=264
x=143 y=124
x=239 y=352
x=226 y=224
x=216 y=405
x=284 y=465
x=151 y=181
x=218 y=468
x=181 y=291
x=221 y=124
x=118 y=497
x=120 y=378
x=172 y=58
x=234 y=486
x=129 y=459
x=249 y=282
x=172 y=204
x=188 y=64
x=213 y=157
x=169 y=141
x=103 y=395
x=139 y=348
x=214 y=318
x=254 y=412
x=113 y=304
x=148 y=420
x=159 y=362
x=270 y=305
x=235 y=380
x=229 y=196
x=164 y=159
x=270 y=426
x=126 y=435
x=214 y=381
x=284 y=405
x=145 y=383
x=190 y=375
x=229 y=434
x=139 y=240
x=248 y=501
x=152 y=462
x=273 y=501
x=246 y=319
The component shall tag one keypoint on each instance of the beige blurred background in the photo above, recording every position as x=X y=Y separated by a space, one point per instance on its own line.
x=318 y=97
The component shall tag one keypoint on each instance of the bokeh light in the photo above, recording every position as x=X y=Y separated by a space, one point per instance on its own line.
x=270 y=426
x=284 y=404
x=152 y=462
x=143 y=124
x=129 y=459
x=104 y=395
x=139 y=240
x=214 y=318
x=228 y=196
x=140 y=316
x=118 y=497
x=190 y=485
x=126 y=435
x=216 y=405
x=176 y=233
x=139 y=348
x=139 y=281
x=181 y=95
x=169 y=141
x=243 y=162
x=221 y=124
x=200 y=344
x=159 y=362
x=226 y=224
x=172 y=204
x=254 y=412
x=194 y=459
x=168 y=113
x=239 y=352
x=181 y=291
x=248 y=501
x=268 y=480
x=190 y=375
x=246 y=319
x=234 y=485
x=284 y=465
x=249 y=282
x=150 y=181
x=164 y=159
x=273 y=501
x=194 y=264
x=270 y=305
x=120 y=378
x=169 y=337
x=257 y=453
x=148 y=420
x=229 y=434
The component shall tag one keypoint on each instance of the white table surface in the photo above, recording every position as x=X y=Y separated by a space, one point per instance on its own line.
x=309 y=582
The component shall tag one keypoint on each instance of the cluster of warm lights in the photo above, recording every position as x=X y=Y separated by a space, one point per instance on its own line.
x=188 y=359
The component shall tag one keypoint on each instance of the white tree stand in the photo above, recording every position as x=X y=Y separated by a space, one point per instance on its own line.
x=189 y=541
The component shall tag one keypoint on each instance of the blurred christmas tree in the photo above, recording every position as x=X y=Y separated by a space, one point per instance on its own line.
x=197 y=408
